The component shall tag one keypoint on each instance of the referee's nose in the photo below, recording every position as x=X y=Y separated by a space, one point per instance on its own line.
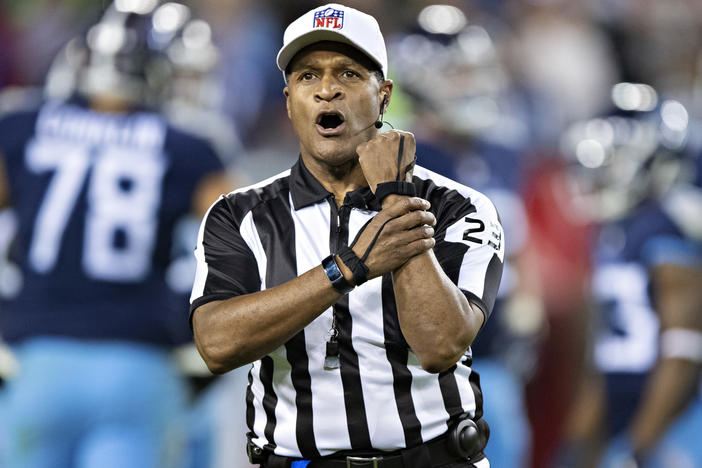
x=329 y=88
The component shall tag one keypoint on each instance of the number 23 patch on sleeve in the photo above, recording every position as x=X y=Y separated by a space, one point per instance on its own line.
x=473 y=231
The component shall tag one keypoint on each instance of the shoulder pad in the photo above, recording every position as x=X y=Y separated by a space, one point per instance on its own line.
x=17 y=99
x=683 y=205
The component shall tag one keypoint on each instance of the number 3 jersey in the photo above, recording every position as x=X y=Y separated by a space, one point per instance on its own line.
x=626 y=340
x=97 y=197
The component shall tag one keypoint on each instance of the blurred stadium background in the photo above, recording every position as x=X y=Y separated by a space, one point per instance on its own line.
x=492 y=89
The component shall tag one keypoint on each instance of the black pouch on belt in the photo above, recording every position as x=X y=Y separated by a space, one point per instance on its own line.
x=255 y=453
x=468 y=438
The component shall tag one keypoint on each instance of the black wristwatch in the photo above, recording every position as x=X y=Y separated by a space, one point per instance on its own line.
x=335 y=276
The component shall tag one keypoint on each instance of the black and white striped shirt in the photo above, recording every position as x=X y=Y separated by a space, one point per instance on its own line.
x=269 y=233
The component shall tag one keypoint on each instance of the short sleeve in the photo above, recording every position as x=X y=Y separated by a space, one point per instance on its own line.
x=16 y=129
x=677 y=238
x=194 y=157
x=670 y=249
x=226 y=266
x=470 y=247
x=203 y=158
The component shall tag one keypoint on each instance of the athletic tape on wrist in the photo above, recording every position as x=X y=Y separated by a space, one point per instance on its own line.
x=682 y=343
x=398 y=187
x=355 y=264
x=394 y=188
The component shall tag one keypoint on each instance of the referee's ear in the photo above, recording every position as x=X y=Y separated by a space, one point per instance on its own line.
x=384 y=94
x=286 y=92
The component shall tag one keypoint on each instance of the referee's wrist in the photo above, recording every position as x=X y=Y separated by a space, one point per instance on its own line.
x=348 y=274
x=330 y=265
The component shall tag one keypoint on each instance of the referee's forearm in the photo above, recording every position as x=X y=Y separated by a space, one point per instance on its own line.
x=436 y=319
x=237 y=331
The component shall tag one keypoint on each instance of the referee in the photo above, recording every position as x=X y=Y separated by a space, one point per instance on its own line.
x=354 y=282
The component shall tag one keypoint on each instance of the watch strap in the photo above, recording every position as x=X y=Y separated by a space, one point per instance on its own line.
x=335 y=276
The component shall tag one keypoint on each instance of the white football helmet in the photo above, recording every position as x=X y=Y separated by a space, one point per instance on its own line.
x=125 y=56
x=637 y=151
x=452 y=68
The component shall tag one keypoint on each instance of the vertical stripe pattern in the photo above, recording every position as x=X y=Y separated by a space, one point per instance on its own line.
x=397 y=353
x=354 y=402
x=270 y=399
x=379 y=397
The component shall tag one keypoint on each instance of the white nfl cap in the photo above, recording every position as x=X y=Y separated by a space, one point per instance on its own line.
x=334 y=22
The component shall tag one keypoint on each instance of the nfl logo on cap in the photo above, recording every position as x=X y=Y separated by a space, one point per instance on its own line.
x=329 y=18
x=338 y=23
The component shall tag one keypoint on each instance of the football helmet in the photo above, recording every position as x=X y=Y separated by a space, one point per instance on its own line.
x=194 y=59
x=451 y=68
x=638 y=150
x=196 y=94
x=125 y=56
x=62 y=79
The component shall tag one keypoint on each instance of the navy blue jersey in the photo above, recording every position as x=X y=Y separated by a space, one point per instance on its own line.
x=97 y=197
x=626 y=341
x=480 y=164
x=496 y=171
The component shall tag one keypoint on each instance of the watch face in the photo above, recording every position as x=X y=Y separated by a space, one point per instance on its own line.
x=335 y=276
x=336 y=273
x=331 y=268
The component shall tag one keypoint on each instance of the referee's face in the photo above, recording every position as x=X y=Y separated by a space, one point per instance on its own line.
x=333 y=99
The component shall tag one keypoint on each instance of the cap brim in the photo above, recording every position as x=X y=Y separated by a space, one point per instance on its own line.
x=286 y=54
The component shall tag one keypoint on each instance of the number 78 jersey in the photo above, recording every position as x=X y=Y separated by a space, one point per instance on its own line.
x=97 y=197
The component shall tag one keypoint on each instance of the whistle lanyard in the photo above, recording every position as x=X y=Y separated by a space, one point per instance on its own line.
x=338 y=237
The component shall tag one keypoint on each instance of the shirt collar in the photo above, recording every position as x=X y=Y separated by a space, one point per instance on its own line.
x=306 y=190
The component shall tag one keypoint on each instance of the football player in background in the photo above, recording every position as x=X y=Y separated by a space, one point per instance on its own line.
x=470 y=128
x=98 y=182
x=635 y=177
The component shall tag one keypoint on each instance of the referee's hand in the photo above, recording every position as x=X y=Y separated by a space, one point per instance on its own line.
x=379 y=157
x=407 y=231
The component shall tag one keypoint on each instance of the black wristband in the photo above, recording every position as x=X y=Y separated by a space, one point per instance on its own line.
x=355 y=264
x=397 y=187
x=394 y=188
x=335 y=276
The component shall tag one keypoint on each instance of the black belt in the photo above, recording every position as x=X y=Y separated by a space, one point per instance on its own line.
x=433 y=453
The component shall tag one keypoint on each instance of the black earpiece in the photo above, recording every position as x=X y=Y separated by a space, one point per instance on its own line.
x=379 y=123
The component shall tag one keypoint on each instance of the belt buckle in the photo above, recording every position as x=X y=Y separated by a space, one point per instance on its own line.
x=362 y=461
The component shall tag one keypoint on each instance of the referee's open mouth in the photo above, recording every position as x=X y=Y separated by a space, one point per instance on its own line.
x=330 y=123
